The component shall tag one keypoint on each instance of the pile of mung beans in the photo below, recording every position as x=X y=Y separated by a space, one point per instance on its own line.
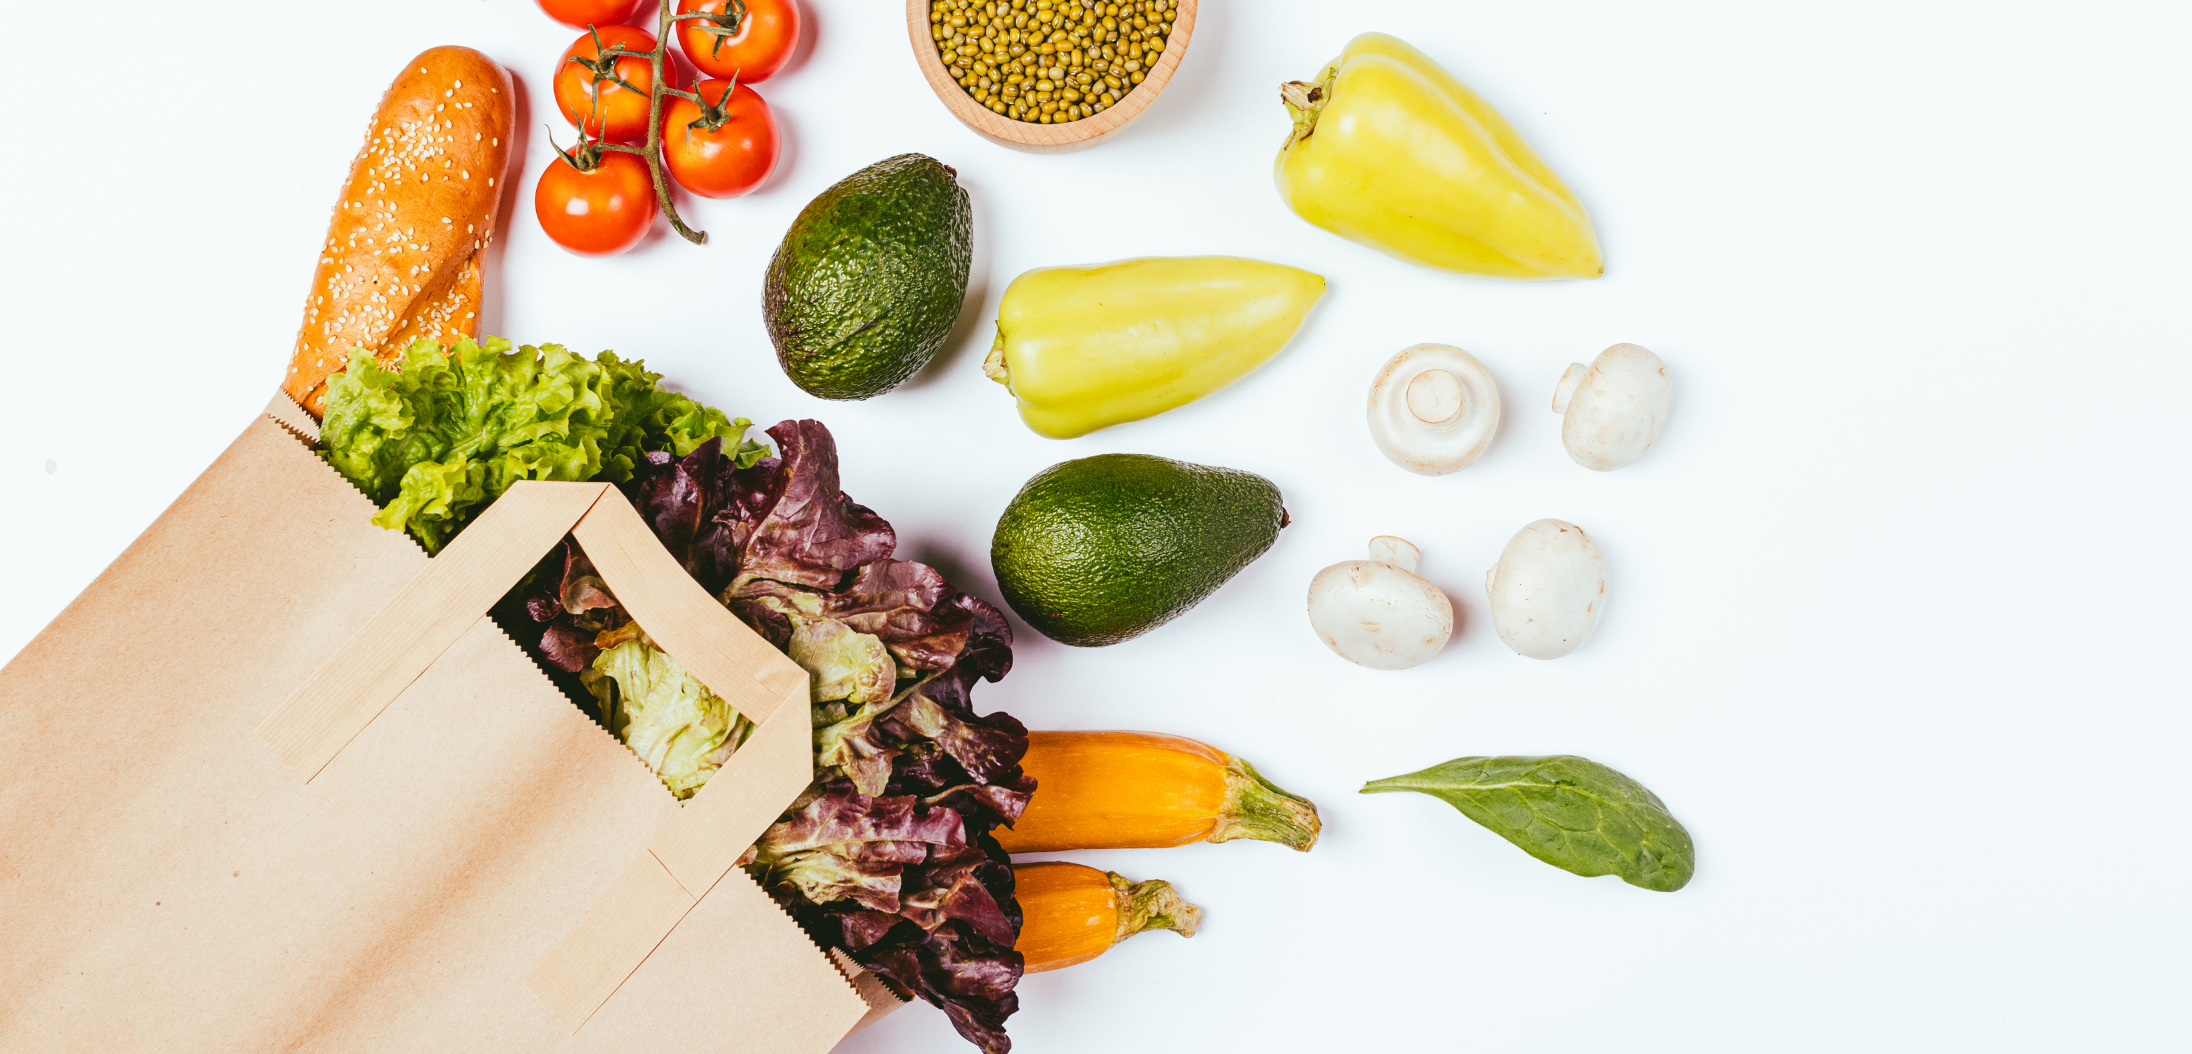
x=1050 y=61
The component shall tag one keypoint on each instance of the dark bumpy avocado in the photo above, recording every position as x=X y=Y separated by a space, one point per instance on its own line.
x=1106 y=548
x=868 y=281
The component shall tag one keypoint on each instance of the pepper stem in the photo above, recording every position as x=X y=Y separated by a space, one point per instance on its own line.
x=1304 y=100
x=993 y=367
x=1257 y=808
x=1151 y=905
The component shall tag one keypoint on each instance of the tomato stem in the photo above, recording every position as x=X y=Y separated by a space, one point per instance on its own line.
x=603 y=68
x=712 y=115
x=654 y=129
x=603 y=65
x=562 y=155
x=722 y=25
x=607 y=72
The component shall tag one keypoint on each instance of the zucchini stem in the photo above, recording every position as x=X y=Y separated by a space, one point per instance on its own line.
x=1258 y=808
x=1152 y=905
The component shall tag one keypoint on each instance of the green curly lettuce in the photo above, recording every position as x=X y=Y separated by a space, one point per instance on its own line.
x=436 y=439
x=683 y=731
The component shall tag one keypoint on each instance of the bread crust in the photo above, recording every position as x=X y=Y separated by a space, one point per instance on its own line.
x=406 y=246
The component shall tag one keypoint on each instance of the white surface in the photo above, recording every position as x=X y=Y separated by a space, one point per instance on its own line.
x=1896 y=593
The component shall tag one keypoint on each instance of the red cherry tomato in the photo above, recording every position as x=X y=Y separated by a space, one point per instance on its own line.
x=578 y=14
x=730 y=160
x=600 y=212
x=622 y=112
x=766 y=33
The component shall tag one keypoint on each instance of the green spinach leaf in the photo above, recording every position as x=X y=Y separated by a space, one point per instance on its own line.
x=1570 y=812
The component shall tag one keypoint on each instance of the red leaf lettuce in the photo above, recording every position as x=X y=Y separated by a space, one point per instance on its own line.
x=888 y=854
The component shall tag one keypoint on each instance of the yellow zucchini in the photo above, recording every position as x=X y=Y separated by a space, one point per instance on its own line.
x=1146 y=790
x=1071 y=913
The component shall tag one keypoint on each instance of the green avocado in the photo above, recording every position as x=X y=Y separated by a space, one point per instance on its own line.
x=869 y=279
x=1107 y=548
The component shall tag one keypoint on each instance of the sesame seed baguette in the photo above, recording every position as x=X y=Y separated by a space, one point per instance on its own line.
x=404 y=250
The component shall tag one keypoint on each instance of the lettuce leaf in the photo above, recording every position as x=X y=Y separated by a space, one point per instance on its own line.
x=845 y=664
x=889 y=854
x=973 y=988
x=790 y=524
x=449 y=430
x=848 y=845
x=941 y=927
x=683 y=731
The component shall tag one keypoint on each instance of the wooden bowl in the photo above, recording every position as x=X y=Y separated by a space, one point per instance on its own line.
x=1045 y=138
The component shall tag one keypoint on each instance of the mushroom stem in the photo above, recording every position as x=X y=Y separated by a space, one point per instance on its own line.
x=1387 y=549
x=1433 y=408
x=1435 y=398
x=1569 y=382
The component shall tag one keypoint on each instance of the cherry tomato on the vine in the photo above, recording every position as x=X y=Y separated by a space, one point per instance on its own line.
x=734 y=157
x=765 y=33
x=600 y=212
x=622 y=113
x=578 y=14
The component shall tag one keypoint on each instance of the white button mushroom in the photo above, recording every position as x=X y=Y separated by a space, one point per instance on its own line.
x=1613 y=408
x=1547 y=590
x=1376 y=612
x=1433 y=409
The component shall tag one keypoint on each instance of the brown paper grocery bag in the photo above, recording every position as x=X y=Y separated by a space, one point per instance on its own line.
x=474 y=865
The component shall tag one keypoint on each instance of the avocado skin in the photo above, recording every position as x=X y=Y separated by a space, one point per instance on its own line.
x=869 y=279
x=1107 y=548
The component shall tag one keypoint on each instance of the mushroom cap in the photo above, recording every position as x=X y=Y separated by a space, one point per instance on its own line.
x=1379 y=615
x=1547 y=590
x=1433 y=409
x=1613 y=409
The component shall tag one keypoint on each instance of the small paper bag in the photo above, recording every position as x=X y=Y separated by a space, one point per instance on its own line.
x=275 y=783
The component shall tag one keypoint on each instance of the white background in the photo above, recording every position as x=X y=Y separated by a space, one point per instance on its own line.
x=1893 y=601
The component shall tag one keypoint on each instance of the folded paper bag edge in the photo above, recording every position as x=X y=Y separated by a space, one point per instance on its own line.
x=879 y=997
x=707 y=836
x=457 y=588
x=703 y=840
x=292 y=417
x=635 y=914
x=423 y=619
x=661 y=596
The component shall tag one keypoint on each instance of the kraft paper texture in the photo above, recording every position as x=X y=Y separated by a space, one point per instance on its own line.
x=168 y=883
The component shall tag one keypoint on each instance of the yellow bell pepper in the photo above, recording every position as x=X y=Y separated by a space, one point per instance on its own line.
x=1084 y=348
x=1391 y=151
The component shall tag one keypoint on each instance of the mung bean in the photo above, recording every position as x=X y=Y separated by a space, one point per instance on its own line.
x=1050 y=61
